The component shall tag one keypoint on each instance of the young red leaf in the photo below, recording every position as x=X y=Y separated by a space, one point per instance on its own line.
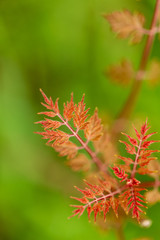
x=146 y=144
x=80 y=115
x=126 y=24
x=59 y=137
x=105 y=208
x=93 y=130
x=49 y=103
x=69 y=109
x=82 y=200
x=148 y=136
x=125 y=159
x=96 y=210
x=146 y=153
x=121 y=73
x=132 y=140
x=143 y=162
x=120 y=173
x=130 y=149
x=137 y=134
x=131 y=196
x=144 y=171
x=48 y=123
x=88 y=193
x=79 y=211
x=89 y=210
x=79 y=163
x=49 y=114
x=144 y=128
x=98 y=190
x=68 y=149
x=114 y=204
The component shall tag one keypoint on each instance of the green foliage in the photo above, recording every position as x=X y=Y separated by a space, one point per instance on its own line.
x=60 y=46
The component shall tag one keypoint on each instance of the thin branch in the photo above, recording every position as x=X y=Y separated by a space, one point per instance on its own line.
x=136 y=159
x=129 y=104
x=151 y=31
x=120 y=232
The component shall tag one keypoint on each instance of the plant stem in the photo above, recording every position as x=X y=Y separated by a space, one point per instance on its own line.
x=136 y=159
x=129 y=104
x=94 y=157
x=120 y=232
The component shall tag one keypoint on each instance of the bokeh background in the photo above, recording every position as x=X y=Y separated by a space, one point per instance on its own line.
x=61 y=46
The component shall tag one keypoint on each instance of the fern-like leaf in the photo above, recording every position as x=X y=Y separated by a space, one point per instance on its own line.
x=96 y=200
x=78 y=114
x=93 y=130
x=120 y=173
x=125 y=24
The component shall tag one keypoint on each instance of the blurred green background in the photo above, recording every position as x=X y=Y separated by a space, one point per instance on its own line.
x=61 y=46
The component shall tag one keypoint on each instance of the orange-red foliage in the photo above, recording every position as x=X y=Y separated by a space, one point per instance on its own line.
x=60 y=140
x=104 y=195
x=129 y=195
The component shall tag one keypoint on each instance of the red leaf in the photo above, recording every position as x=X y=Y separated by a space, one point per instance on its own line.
x=146 y=144
x=120 y=173
x=144 y=128
x=131 y=196
x=129 y=148
x=95 y=188
x=137 y=134
x=80 y=115
x=87 y=193
x=125 y=159
x=126 y=24
x=45 y=97
x=49 y=114
x=144 y=171
x=69 y=109
x=148 y=136
x=58 y=136
x=93 y=130
x=89 y=210
x=147 y=153
x=55 y=107
x=105 y=208
x=114 y=204
x=79 y=210
x=82 y=200
x=67 y=148
x=48 y=123
x=96 y=210
x=143 y=162
x=49 y=103
x=132 y=140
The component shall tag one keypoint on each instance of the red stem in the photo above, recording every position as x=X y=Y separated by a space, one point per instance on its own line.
x=136 y=159
x=129 y=104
